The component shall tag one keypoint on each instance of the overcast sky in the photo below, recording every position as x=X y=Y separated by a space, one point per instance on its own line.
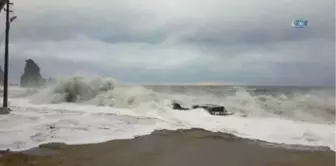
x=176 y=41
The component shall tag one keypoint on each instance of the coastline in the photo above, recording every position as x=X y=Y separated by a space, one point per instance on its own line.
x=192 y=147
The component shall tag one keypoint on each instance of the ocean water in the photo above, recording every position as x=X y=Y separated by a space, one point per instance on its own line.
x=106 y=109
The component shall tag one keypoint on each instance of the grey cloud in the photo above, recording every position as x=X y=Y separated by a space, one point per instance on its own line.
x=203 y=41
x=264 y=23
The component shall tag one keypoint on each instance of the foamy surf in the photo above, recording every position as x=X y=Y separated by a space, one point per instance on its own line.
x=105 y=110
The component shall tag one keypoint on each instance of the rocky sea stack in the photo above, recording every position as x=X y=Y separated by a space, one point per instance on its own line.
x=32 y=75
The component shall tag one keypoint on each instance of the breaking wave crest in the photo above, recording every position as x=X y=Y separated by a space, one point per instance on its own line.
x=95 y=90
x=298 y=106
x=102 y=109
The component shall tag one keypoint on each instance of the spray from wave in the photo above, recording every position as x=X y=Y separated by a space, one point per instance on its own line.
x=299 y=106
x=97 y=104
x=95 y=90
x=309 y=105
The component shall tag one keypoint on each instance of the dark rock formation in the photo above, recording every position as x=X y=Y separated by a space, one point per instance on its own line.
x=31 y=76
x=212 y=109
x=177 y=106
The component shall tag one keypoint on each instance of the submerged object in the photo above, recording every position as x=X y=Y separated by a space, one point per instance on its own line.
x=299 y=23
x=213 y=109
x=177 y=106
x=210 y=108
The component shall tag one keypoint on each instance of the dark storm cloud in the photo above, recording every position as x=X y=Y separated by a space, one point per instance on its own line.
x=202 y=41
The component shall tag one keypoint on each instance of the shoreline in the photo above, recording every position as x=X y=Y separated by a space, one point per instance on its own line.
x=194 y=147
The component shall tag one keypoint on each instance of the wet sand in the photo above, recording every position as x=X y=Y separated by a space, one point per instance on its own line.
x=194 y=147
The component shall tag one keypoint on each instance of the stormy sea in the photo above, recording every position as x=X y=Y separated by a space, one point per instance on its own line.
x=106 y=109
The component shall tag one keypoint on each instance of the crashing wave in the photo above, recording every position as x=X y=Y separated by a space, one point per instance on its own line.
x=315 y=106
x=95 y=90
x=79 y=88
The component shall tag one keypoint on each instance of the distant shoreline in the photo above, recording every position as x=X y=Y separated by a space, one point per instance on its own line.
x=231 y=85
x=210 y=85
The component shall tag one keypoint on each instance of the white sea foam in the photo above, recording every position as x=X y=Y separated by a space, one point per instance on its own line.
x=106 y=110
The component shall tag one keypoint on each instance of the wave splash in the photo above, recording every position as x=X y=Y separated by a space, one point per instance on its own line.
x=307 y=106
x=270 y=117
x=95 y=90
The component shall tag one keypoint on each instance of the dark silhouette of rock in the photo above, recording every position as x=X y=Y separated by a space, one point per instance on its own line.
x=177 y=106
x=32 y=75
x=210 y=108
x=213 y=109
